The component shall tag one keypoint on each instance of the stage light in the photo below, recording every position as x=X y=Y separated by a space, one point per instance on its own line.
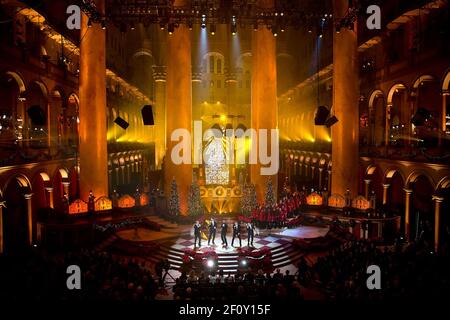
x=121 y=123
x=331 y=121
x=203 y=21
x=190 y=24
x=275 y=31
x=233 y=29
x=255 y=26
x=162 y=25
x=212 y=29
x=171 y=28
x=103 y=24
x=89 y=23
x=244 y=263
x=132 y=26
x=210 y=263
x=321 y=115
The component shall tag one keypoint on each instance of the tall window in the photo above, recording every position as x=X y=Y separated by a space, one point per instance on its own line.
x=216 y=168
x=219 y=66
x=211 y=64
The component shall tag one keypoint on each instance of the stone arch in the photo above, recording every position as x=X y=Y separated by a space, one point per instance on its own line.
x=423 y=78
x=446 y=81
x=18 y=78
x=392 y=91
x=16 y=215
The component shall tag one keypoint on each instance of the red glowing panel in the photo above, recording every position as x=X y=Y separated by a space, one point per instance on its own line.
x=103 y=204
x=361 y=203
x=126 y=201
x=78 y=206
x=336 y=201
x=144 y=200
x=314 y=199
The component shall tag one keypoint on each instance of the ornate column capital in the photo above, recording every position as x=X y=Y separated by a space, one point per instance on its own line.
x=408 y=191
x=437 y=198
x=28 y=196
x=159 y=73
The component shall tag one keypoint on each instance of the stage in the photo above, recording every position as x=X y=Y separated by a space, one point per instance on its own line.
x=278 y=241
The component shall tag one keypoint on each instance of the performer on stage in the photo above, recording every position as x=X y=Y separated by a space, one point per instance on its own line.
x=212 y=231
x=223 y=234
x=197 y=234
x=236 y=234
x=250 y=234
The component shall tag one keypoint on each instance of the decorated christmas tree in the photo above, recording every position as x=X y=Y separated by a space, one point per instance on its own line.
x=269 y=198
x=286 y=188
x=248 y=200
x=174 y=200
x=195 y=205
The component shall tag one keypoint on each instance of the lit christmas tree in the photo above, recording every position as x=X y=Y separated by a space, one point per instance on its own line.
x=195 y=206
x=174 y=200
x=248 y=200
x=269 y=199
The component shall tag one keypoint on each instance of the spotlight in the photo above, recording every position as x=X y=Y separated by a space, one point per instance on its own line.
x=103 y=24
x=132 y=26
x=331 y=121
x=162 y=25
x=89 y=23
x=275 y=31
x=210 y=263
x=255 y=26
x=233 y=29
x=321 y=115
x=171 y=28
x=244 y=263
x=212 y=29
x=121 y=123
x=190 y=24
x=203 y=21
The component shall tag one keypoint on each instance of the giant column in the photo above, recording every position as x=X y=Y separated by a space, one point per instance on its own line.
x=92 y=113
x=264 y=96
x=159 y=75
x=178 y=105
x=345 y=154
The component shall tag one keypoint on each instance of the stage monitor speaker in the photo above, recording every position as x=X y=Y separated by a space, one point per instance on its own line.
x=321 y=115
x=331 y=121
x=37 y=115
x=420 y=117
x=147 y=115
x=121 y=123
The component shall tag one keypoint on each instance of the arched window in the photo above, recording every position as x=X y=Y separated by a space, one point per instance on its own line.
x=216 y=168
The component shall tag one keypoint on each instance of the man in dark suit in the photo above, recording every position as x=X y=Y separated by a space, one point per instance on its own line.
x=197 y=234
x=223 y=234
x=250 y=234
x=212 y=231
x=236 y=233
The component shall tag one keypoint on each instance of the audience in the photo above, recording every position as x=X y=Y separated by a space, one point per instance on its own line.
x=38 y=277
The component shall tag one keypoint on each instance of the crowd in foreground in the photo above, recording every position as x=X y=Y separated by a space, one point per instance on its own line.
x=411 y=271
x=37 y=276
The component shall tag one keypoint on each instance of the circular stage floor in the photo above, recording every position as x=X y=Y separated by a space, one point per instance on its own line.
x=278 y=241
